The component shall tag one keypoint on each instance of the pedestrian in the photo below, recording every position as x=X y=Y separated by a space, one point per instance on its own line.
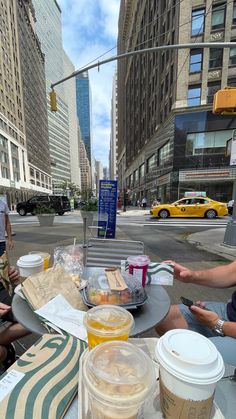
x=215 y=320
x=144 y=202
x=5 y=227
x=155 y=202
x=138 y=203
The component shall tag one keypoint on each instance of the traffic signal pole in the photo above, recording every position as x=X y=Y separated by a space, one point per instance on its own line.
x=230 y=232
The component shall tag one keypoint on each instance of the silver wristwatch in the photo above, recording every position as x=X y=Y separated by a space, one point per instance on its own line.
x=218 y=328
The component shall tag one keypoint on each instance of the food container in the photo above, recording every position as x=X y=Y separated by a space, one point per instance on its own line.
x=30 y=265
x=138 y=266
x=105 y=323
x=98 y=292
x=119 y=378
x=190 y=367
x=45 y=256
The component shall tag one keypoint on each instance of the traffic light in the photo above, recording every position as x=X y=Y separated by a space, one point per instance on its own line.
x=53 y=101
x=225 y=101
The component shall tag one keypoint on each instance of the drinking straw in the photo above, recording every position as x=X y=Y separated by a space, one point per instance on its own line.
x=74 y=240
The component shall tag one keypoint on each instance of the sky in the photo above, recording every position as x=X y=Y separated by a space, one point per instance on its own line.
x=89 y=29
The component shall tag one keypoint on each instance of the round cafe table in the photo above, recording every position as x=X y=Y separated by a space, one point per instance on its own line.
x=146 y=316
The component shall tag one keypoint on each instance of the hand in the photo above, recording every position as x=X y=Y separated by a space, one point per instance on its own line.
x=10 y=244
x=4 y=309
x=181 y=273
x=208 y=318
x=14 y=275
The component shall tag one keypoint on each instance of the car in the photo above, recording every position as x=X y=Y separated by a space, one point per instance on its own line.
x=190 y=207
x=60 y=204
x=230 y=206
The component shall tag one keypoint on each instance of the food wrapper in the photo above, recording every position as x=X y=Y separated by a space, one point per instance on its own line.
x=4 y=275
x=70 y=258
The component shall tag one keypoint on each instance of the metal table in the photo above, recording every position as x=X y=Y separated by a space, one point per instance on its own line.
x=146 y=316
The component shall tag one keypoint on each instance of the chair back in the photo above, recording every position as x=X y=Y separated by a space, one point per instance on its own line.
x=110 y=252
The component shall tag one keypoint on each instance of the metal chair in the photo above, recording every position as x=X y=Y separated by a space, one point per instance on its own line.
x=98 y=228
x=110 y=252
x=4 y=324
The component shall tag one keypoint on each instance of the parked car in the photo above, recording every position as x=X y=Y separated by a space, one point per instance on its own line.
x=191 y=207
x=60 y=204
x=230 y=206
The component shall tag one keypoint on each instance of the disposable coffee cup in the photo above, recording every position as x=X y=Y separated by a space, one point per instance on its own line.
x=190 y=367
x=119 y=378
x=30 y=265
x=107 y=322
x=44 y=255
x=138 y=266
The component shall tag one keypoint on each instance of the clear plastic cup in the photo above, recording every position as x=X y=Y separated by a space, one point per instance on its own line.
x=119 y=378
x=190 y=367
x=44 y=255
x=107 y=322
x=138 y=266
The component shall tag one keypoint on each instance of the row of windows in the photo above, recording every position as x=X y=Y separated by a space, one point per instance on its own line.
x=217 y=18
x=215 y=59
x=194 y=91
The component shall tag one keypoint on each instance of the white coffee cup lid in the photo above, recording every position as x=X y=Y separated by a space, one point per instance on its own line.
x=190 y=357
x=29 y=261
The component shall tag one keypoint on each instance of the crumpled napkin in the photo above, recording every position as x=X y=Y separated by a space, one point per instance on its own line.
x=60 y=313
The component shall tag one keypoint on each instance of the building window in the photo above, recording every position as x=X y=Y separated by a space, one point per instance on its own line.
x=136 y=176
x=234 y=14
x=150 y=163
x=202 y=143
x=194 y=95
x=215 y=60
x=212 y=88
x=218 y=17
x=195 y=64
x=198 y=17
x=232 y=56
x=5 y=173
x=164 y=154
x=142 y=171
x=231 y=82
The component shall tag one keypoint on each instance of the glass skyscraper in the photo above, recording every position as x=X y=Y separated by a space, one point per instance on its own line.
x=83 y=104
x=48 y=29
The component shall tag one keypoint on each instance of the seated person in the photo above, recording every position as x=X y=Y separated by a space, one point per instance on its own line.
x=15 y=330
x=218 y=322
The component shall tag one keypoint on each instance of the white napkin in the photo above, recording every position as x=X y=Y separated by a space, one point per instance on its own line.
x=59 y=312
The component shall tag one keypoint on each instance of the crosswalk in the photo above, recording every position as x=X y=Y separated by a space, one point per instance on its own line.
x=181 y=223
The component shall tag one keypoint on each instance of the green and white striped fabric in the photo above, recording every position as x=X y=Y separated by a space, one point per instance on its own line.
x=50 y=381
x=158 y=273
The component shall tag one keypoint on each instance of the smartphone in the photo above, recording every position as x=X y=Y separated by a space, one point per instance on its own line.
x=189 y=303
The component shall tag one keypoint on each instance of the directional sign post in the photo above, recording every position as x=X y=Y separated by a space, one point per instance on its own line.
x=230 y=232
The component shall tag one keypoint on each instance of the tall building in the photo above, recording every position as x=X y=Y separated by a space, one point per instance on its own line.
x=83 y=99
x=74 y=132
x=169 y=142
x=48 y=29
x=114 y=132
x=85 y=169
x=23 y=121
x=99 y=173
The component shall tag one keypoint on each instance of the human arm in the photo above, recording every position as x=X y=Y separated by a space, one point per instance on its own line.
x=8 y=230
x=209 y=319
x=219 y=277
x=14 y=274
x=4 y=309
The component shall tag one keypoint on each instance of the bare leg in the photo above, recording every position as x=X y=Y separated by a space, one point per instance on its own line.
x=11 y=333
x=173 y=320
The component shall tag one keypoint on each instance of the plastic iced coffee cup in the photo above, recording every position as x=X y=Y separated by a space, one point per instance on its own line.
x=107 y=322
x=44 y=255
x=119 y=378
x=190 y=367
x=138 y=266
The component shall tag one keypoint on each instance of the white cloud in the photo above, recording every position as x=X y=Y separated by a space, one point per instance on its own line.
x=90 y=29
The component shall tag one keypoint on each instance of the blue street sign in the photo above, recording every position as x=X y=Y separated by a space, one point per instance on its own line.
x=107 y=205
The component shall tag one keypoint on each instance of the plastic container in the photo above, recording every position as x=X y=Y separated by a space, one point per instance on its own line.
x=30 y=265
x=119 y=378
x=98 y=292
x=190 y=367
x=107 y=322
x=45 y=256
x=138 y=266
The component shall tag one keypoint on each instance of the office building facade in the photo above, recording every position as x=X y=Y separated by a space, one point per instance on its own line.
x=83 y=100
x=169 y=142
x=114 y=131
x=48 y=29
x=85 y=168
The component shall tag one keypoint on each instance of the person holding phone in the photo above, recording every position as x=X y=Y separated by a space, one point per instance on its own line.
x=215 y=320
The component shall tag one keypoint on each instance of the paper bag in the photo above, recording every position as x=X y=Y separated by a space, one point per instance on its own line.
x=4 y=276
x=47 y=376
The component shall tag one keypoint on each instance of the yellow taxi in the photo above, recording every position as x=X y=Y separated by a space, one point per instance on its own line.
x=190 y=207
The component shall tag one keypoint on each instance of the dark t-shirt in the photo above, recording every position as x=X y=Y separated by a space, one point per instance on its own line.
x=231 y=308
